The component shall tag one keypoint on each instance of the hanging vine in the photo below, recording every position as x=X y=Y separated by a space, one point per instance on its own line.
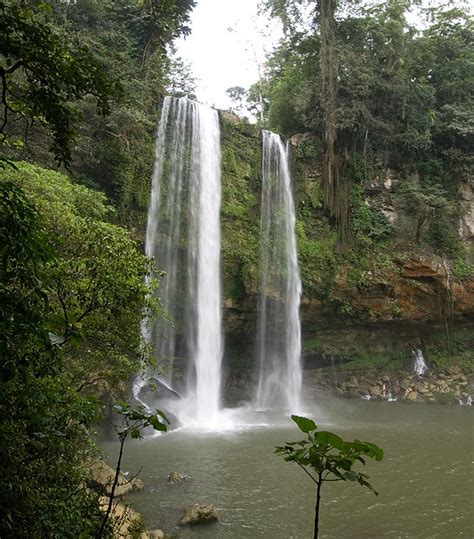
x=333 y=183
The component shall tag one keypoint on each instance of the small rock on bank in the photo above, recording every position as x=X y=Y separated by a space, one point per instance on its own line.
x=199 y=514
x=100 y=477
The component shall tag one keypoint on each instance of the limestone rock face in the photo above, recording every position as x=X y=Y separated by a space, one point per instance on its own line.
x=199 y=514
x=230 y=117
x=414 y=292
x=466 y=225
x=421 y=268
x=299 y=138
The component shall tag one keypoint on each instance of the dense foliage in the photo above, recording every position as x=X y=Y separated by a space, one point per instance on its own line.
x=72 y=290
x=72 y=285
x=43 y=73
x=376 y=93
x=116 y=53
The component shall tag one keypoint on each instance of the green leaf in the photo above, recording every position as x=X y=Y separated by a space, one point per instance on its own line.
x=329 y=438
x=304 y=424
x=157 y=424
x=163 y=415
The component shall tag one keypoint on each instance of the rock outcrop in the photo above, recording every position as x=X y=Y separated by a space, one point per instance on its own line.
x=176 y=478
x=450 y=386
x=420 y=289
x=100 y=478
x=199 y=514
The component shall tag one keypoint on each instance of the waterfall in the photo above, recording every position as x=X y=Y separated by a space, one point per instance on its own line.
x=279 y=328
x=419 y=364
x=183 y=236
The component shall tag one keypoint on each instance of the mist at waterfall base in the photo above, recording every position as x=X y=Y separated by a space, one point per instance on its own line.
x=183 y=235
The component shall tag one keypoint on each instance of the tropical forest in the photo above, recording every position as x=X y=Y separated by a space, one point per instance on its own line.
x=237 y=266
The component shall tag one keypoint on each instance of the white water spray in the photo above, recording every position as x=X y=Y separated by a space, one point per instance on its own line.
x=279 y=328
x=183 y=235
x=419 y=364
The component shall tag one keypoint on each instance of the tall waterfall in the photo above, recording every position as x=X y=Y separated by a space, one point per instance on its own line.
x=183 y=235
x=279 y=328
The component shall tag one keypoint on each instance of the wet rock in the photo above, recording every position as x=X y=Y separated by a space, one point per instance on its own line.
x=354 y=393
x=199 y=514
x=352 y=383
x=100 y=477
x=376 y=391
x=124 y=517
x=176 y=478
x=405 y=384
x=422 y=389
x=153 y=534
x=412 y=396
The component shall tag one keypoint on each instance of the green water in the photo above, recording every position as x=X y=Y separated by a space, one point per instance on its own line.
x=426 y=480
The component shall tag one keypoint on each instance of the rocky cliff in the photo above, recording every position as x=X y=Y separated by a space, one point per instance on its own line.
x=395 y=282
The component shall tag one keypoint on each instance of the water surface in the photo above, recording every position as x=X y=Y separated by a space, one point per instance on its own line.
x=426 y=480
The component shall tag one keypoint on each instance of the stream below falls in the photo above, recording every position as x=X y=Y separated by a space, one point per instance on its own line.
x=425 y=481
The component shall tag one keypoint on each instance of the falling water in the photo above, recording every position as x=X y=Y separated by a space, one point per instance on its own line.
x=419 y=364
x=183 y=236
x=279 y=328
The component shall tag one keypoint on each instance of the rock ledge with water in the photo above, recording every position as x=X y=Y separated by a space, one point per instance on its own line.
x=199 y=514
x=451 y=386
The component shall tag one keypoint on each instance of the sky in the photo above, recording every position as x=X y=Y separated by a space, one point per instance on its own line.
x=227 y=43
x=229 y=40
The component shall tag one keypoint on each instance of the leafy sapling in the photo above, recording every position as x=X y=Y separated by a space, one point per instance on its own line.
x=324 y=456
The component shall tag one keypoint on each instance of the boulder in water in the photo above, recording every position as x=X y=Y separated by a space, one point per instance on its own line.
x=199 y=514
x=177 y=478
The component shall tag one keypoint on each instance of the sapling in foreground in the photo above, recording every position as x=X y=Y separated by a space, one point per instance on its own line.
x=324 y=456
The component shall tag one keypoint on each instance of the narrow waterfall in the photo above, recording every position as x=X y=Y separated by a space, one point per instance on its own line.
x=419 y=364
x=183 y=236
x=279 y=328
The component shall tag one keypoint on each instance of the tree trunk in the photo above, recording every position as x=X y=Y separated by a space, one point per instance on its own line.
x=316 y=515
x=112 y=491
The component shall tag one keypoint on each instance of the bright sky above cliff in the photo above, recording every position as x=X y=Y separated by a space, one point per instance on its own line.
x=225 y=46
x=229 y=39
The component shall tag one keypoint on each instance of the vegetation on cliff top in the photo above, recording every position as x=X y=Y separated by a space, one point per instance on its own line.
x=402 y=115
